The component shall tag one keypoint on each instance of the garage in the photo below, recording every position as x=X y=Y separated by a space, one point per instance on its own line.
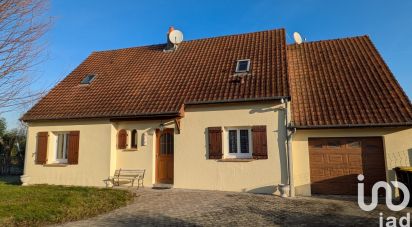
x=336 y=162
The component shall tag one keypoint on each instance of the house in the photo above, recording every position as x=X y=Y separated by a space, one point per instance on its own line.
x=237 y=113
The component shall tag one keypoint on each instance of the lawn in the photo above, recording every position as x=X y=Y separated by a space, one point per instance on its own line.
x=46 y=204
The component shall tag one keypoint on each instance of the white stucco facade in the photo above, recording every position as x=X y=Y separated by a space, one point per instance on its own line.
x=99 y=156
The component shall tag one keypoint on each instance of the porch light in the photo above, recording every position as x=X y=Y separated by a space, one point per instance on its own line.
x=161 y=127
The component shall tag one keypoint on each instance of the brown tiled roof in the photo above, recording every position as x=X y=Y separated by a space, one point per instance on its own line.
x=146 y=81
x=343 y=83
x=334 y=83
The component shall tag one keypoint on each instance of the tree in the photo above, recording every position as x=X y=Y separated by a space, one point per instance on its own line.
x=3 y=126
x=22 y=24
x=12 y=149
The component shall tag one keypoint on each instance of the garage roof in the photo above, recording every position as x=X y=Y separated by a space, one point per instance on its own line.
x=344 y=83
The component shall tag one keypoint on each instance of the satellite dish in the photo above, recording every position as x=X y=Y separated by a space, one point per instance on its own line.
x=176 y=36
x=297 y=38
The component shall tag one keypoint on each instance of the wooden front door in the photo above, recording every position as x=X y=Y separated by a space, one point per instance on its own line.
x=164 y=156
x=336 y=162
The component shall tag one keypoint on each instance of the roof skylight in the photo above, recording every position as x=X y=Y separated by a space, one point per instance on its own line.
x=87 y=79
x=243 y=66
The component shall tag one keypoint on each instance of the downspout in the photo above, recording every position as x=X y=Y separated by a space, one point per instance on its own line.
x=289 y=134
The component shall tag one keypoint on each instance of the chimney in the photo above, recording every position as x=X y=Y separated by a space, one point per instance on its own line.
x=169 y=46
x=174 y=38
x=171 y=28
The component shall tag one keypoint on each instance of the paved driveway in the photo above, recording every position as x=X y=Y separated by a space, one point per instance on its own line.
x=210 y=208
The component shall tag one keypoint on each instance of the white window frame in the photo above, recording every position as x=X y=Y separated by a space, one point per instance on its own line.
x=242 y=71
x=65 y=151
x=238 y=154
x=84 y=82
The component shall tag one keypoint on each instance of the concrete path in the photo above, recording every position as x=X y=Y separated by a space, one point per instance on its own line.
x=177 y=207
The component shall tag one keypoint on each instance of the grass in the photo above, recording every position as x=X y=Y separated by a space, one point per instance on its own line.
x=46 y=204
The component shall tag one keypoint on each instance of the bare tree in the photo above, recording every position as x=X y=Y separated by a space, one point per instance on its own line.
x=22 y=24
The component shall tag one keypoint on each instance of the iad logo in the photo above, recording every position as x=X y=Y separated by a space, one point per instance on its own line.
x=388 y=189
x=389 y=221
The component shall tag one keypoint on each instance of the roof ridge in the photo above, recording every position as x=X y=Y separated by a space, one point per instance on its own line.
x=192 y=40
x=238 y=34
x=331 y=40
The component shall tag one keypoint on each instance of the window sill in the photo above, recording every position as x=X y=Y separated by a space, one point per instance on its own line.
x=241 y=74
x=130 y=149
x=235 y=160
x=56 y=165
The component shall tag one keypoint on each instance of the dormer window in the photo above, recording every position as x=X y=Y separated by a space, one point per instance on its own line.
x=87 y=79
x=243 y=66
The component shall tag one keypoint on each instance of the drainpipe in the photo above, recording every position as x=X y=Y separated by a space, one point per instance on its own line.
x=289 y=151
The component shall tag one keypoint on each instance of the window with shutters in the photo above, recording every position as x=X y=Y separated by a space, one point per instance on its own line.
x=238 y=143
x=62 y=144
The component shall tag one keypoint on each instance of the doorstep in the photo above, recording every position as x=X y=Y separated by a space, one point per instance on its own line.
x=162 y=186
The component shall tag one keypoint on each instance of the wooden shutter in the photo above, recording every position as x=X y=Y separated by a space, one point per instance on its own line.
x=73 y=148
x=41 y=150
x=260 y=149
x=122 y=139
x=215 y=142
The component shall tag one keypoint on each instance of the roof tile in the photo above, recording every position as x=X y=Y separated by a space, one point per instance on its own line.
x=146 y=80
x=344 y=82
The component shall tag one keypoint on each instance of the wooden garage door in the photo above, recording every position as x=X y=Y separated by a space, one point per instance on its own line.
x=336 y=162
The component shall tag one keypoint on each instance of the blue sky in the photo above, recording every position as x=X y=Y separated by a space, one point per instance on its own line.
x=81 y=27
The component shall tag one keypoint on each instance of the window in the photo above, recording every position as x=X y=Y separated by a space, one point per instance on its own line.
x=87 y=79
x=62 y=144
x=239 y=143
x=166 y=144
x=334 y=144
x=318 y=145
x=243 y=66
x=354 y=144
x=233 y=141
x=134 y=138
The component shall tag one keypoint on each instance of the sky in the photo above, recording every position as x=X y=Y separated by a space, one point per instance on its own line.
x=80 y=27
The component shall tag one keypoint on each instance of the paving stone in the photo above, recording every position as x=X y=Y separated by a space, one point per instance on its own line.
x=179 y=207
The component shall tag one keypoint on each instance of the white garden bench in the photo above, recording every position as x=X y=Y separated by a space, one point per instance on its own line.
x=126 y=176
